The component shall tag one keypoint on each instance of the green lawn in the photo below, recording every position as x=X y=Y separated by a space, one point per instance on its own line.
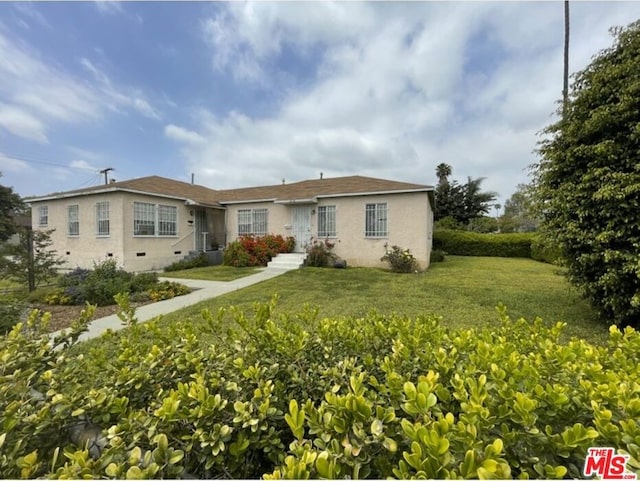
x=212 y=273
x=464 y=291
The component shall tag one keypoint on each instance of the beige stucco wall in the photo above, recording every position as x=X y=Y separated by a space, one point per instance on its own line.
x=409 y=223
x=143 y=253
x=87 y=248
x=277 y=218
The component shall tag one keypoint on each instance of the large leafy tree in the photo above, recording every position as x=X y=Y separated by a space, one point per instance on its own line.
x=519 y=213
x=461 y=202
x=588 y=180
x=10 y=206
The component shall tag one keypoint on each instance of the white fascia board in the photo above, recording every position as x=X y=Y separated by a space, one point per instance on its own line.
x=380 y=192
x=225 y=202
x=313 y=200
x=66 y=195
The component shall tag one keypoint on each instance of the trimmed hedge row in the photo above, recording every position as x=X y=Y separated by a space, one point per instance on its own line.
x=294 y=396
x=462 y=243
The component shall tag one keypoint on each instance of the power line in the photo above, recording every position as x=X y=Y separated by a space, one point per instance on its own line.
x=54 y=164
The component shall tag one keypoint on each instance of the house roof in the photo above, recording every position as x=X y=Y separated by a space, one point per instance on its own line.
x=318 y=188
x=306 y=190
x=159 y=186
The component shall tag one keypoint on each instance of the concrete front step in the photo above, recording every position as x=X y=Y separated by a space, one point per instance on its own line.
x=287 y=261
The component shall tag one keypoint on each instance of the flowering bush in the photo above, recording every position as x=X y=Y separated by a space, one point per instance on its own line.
x=167 y=290
x=249 y=250
x=100 y=285
x=319 y=253
x=401 y=260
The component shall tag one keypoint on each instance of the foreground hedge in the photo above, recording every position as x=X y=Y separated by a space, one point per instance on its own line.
x=294 y=396
x=463 y=243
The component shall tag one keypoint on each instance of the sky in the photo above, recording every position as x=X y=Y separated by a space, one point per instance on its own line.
x=243 y=94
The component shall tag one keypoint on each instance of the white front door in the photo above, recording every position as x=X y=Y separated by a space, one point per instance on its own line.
x=301 y=226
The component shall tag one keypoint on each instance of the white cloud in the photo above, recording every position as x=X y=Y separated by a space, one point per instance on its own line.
x=21 y=123
x=83 y=164
x=109 y=6
x=11 y=164
x=182 y=135
x=37 y=95
x=122 y=96
x=398 y=88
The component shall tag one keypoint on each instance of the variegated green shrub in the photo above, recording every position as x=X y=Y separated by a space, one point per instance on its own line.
x=280 y=396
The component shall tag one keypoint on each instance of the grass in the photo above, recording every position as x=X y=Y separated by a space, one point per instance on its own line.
x=464 y=291
x=212 y=273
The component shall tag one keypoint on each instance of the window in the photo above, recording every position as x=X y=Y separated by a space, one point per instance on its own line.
x=144 y=218
x=167 y=220
x=375 y=220
x=73 y=220
x=43 y=215
x=327 y=221
x=252 y=222
x=244 y=222
x=102 y=218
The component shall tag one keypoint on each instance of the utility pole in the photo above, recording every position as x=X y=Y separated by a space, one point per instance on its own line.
x=105 y=172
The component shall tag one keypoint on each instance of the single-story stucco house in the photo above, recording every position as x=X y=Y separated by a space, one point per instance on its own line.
x=150 y=222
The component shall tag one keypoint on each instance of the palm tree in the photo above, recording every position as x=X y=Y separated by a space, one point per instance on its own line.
x=565 y=78
x=497 y=207
x=443 y=171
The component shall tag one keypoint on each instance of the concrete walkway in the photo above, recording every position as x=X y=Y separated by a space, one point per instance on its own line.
x=205 y=290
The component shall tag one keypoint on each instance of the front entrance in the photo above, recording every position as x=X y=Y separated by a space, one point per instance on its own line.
x=201 y=231
x=301 y=226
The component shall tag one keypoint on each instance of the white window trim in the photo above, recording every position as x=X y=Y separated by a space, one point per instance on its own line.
x=99 y=219
x=43 y=213
x=326 y=208
x=376 y=234
x=76 y=221
x=252 y=225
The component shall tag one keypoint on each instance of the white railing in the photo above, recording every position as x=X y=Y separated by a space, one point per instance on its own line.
x=181 y=239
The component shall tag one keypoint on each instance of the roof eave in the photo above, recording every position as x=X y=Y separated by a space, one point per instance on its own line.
x=379 y=192
x=110 y=190
x=310 y=200
x=249 y=201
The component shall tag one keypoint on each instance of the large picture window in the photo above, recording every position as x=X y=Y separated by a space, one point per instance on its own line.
x=73 y=220
x=146 y=217
x=375 y=220
x=252 y=222
x=327 y=221
x=102 y=218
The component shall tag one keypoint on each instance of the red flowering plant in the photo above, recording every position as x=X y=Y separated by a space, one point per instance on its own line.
x=251 y=250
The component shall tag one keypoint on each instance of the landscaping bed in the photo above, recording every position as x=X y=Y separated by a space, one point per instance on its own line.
x=63 y=316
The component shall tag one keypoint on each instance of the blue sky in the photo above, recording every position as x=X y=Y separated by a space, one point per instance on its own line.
x=248 y=93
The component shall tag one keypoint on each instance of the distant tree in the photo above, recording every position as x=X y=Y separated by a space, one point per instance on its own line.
x=10 y=206
x=450 y=201
x=477 y=203
x=462 y=202
x=32 y=255
x=483 y=224
x=443 y=171
x=518 y=215
x=588 y=180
